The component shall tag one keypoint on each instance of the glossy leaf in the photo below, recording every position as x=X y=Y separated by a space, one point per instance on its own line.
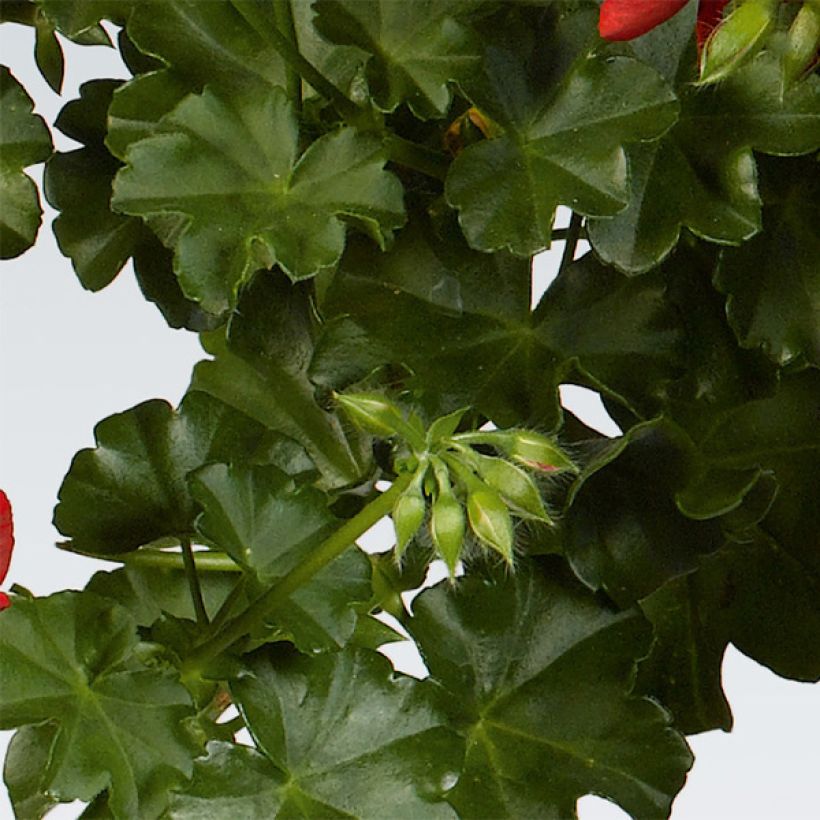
x=24 y=141
x=415 y=50
x=773 y=282
x=70 y=659
x=225 y=185
x=702 y=174
x=261 y=371
x=269 y=525
x=26 y=769
x=537 y=673
x=78 y=184
x=562 y=144
x=341 y=726
x=131 y=488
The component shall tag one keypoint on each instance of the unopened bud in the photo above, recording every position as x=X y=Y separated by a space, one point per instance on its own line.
x=537 y=451
x=514 y=485
x=448 y=525
x=802 y=43
x=490 y=520
x=377 y=415
x=408 y=516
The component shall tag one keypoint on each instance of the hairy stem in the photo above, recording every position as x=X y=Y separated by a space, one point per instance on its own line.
x=193 y=583
x=330 y=549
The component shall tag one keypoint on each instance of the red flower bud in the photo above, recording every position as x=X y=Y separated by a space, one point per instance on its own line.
x=6 y=544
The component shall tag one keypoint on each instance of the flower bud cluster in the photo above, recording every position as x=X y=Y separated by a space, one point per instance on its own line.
x=465 y=489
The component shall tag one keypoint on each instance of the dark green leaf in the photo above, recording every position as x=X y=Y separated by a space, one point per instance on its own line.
x=538 y=673
x=131 y=489
x=269 y=525
x=26 y=769
x=416 y=49
x=48 y=54
x=78 y=19
x=70 y=659
x=773 y=281
x=340 y=727
x=702 y=174
x=563 y=146
x=225 y=186
x=24 y=140
x=78 y=184
x=260 y=370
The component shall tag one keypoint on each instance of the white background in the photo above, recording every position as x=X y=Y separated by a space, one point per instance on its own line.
x=69 y=358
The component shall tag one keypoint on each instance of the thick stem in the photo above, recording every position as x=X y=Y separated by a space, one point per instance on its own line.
x=415 y=156
x=330 y=549
x=283 y=14
x=204 y=561
x=193 y=583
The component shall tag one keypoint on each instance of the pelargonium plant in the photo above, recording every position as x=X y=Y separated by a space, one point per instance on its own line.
x=343 y=199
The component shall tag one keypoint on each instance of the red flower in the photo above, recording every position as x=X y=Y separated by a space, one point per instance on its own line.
x=6 y=544
x=627 y=19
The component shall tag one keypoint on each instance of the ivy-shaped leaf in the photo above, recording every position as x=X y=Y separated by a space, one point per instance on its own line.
x=339 y=727
x=773 y=281
x=69 y=658
x=537 y=674
x=260 y=369
x=416 y=49
x=269 y=525
x=131 y=488
x=563 y=146
x=78 y=184
x=24 y=140
x=225 y=186
x=702 y=174
x=25 y=771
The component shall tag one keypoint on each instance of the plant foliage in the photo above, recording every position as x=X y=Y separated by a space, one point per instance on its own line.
x=344 y=198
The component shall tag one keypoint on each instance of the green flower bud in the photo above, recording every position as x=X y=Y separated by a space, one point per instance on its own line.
x=738 y=37
x=537 y=451
x=802 y=43
x=490 y=520
x=514 y=485
x=448 y=525
x=408 y=516
x=377 y=415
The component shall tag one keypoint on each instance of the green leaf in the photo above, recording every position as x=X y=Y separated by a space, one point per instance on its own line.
x=225 y=186
x=78 y=184
x=78 y=19
x=26 y=768
x=537 y=673
x=702 y=174
x=131 y=488
x=415 y=50
x=342 y=725
x=269 y=525
x=24 y=140
x=261 y=370
x=773 y=281
x=148 y=593
x=70 y=659
x=563 y=146
x=753 y=594
x=48 y=53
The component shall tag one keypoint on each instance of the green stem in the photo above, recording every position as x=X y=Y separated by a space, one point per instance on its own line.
x=283 y=14
x=415 y=156
x=163 y=559
x=227 y=606
x=193 y=582
x=571 y=237
x=330 y=549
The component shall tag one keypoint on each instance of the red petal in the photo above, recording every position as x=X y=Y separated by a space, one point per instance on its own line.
x=5 y=602
x=6 y=536
x=710 y=13
x=626 y=19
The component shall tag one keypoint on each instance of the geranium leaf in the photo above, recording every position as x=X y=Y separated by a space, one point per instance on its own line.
x=537 y=674
x=70 y=659
x=78 y=184
x=24 y=141
x=702 y=174
x=773 y=281
x=79 y=19
x=415 y=51
x=340 y=726
x=269 y=525
x=558 y=147
x=26 y=768
x=224 y=185
x=131 y=488
x=260 y=369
